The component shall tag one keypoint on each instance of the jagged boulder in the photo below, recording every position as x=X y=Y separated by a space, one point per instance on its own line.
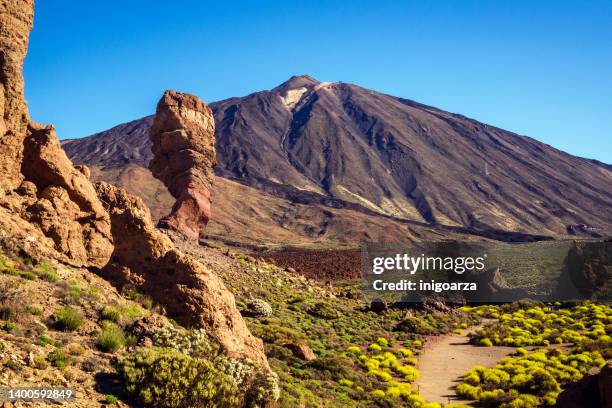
x=146 y=258
x=38 y=183
x=183 y=137
x=587 y=273
x=68 y=208
x=592 y=391
x=493 y=287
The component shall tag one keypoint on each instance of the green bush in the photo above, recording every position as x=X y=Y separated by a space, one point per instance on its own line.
x=532 y=379
x=39 y=362
x=8 y=326
x=275 y=334
x=415 y=325
x=8 y=312
x=68 y=319
x=111 y=313
x=144 y=300
x=35 y=310
x=111 y=338
x=44 y=340
x=486 y=342
x=59 y=358
x=27 y=275
x=259 y=307
x=7 y=267
x=324 y=311
x=46 y=272
x=194 y=343
x=332 y=367
x=166 y=378
x=110 y=399
x=122 y=314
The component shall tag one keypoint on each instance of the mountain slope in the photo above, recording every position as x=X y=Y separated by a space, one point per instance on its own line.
x=344 y=146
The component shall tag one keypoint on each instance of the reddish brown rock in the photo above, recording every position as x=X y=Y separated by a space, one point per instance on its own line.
x=51 y=210
x=146 y=258
x=16 y=19
x=68 y=208
x=301 y=351
x=39 y=184
x=183 y=137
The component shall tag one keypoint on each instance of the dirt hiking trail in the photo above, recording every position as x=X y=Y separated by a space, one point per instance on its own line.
x=446 y=358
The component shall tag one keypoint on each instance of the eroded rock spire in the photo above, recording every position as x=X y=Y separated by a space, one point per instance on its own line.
x=183 y=136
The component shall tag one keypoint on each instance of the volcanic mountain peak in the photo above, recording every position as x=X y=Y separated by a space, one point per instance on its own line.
x=297 y=89
x=296 y=81
x=344 y=146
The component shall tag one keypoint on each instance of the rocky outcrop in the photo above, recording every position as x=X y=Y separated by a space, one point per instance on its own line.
x=183 y=137
x=301 y=351
x=587 y=273
x=51 y=209
x=38 y=183
x=16 y=19
x=493 y=288
x=146 y=258
x=592 y=391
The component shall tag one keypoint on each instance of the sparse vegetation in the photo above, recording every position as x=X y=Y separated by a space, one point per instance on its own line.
x=47 y=272
x=415 y=325
x=122 y=315
x=324 y=311
x=111 y=338
x=7 y=266
x=59 y=358
x=27 y=275
x=362 y=359
x=144 y=300
x=44 y=340
x=35 y=310
x=39 y=362
x=68 y=319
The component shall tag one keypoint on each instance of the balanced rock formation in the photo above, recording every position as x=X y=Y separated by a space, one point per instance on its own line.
x=144 y=257
x=183 y=137
x=38 y=183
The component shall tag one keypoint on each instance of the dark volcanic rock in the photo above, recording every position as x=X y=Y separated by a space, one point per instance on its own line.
x=492 y=288
x=592 y=391
x=183 y=136
x=587 y=273
x=125 y=144
x=378 y=306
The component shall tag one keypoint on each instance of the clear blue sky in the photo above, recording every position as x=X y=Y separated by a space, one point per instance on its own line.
x=539 y=68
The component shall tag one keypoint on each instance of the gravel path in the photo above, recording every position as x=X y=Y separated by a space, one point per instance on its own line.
x=444 y=361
